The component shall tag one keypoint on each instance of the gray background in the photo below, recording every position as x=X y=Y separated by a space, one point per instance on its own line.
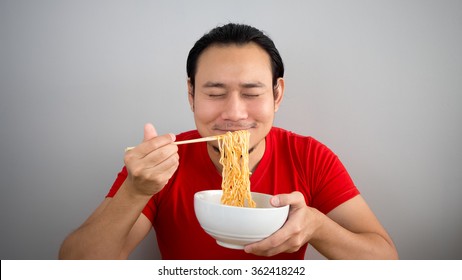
x=379 y=82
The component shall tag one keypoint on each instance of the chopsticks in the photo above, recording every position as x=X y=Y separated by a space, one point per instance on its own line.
x=204 y=139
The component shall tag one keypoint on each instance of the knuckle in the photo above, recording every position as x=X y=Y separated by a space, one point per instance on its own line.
x=297 y=228
x=166 y=152
x=162 y=153
x=299 y=196
x=173 y=160
x=128 y=158
x=296 y=242
x=153 y=144
x=159 y=179
x=293 y=249
x=136 y=172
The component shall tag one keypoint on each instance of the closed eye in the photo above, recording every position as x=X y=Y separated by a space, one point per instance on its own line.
x=250 y=95
x=216 y=95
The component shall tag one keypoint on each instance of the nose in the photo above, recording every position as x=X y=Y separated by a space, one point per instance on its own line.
x=234 y=109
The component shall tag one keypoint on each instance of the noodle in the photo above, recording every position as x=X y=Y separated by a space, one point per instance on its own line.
x=234 y=157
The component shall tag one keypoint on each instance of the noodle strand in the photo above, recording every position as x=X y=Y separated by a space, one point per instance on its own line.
x=234 y=157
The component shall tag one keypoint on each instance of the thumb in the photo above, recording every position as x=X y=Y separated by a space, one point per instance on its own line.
x=149 y=132
x=295 y=199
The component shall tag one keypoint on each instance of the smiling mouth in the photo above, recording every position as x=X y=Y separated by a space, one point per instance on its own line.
x=234 y=126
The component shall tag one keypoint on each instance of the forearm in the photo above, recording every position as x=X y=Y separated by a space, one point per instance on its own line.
x=336 y=242
x=104 y=234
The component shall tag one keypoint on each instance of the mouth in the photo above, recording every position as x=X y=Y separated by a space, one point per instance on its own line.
x=231 y=127
x=225 y=127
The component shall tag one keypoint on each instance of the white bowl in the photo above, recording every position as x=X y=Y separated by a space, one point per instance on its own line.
x=234 y=227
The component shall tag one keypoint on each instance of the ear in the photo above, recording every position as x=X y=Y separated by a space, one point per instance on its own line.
x=279 y=93
x=191 y=94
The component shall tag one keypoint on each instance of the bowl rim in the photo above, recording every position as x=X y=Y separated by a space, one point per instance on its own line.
x=272 y=208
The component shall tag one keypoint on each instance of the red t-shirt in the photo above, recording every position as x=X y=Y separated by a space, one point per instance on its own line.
x=290 y=163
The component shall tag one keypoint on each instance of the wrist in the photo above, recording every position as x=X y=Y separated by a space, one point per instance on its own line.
x=132 y=193
x=319 y=222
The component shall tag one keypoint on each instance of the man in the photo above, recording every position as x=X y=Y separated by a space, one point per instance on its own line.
x=235 y=82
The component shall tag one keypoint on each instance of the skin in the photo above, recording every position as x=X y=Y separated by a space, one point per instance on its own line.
x=233 y=90
x=117 y=226
x=234 y=94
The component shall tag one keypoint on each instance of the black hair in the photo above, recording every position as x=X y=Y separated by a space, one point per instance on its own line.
x=239 y=34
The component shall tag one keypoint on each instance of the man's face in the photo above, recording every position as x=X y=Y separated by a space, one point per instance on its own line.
x=234 y=91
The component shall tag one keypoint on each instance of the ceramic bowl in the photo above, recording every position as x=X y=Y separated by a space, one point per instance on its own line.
x=234 y=227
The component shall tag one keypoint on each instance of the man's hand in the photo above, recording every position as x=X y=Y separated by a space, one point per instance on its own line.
x=297 y=230
x=151 y=164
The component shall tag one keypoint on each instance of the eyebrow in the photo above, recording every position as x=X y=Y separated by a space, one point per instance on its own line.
x=242 y=85
x=214 y=85
x=253 y=85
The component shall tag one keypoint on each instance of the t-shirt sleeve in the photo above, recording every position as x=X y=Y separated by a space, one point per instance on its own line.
x=118 y=182
x=333 y=184
x=148 y=209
